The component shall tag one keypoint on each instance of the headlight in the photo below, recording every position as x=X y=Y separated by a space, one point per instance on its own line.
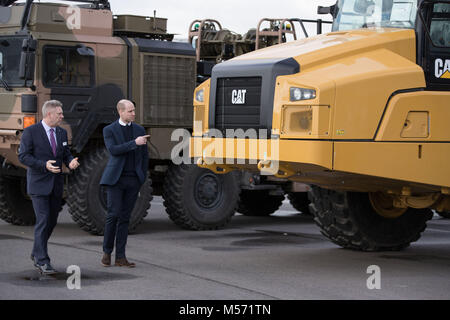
x=200 y=95
x=298 y=94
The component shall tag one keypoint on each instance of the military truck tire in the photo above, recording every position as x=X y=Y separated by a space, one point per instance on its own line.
x=300 y=202
x=198 y=199
x=444 y=214
x=87 y=199
x=349 y=220
x=15 y=206
x=258 y=203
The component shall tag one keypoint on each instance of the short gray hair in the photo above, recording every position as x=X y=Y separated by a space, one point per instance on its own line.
x=51 y=104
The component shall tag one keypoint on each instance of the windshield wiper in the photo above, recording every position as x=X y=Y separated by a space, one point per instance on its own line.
x=5 y=84
x=3 y=81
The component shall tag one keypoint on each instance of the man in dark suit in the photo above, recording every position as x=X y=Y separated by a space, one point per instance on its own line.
x=123 y=177
x=43 y=149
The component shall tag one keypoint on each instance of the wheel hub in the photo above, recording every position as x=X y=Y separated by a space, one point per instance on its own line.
x=383 y=204
x=207 y=191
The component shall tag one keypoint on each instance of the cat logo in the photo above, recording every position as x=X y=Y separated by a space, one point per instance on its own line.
x=238 y=96
x=442 y=69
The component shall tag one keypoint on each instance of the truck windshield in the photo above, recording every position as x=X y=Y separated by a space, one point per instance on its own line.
x=356 y=14
x=10 y=51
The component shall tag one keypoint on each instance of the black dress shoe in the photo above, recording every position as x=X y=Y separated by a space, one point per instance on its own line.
x=106 y=260
x=123 y=262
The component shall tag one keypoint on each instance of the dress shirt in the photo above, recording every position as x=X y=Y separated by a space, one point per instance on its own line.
x=123 y=124
x=47 y=130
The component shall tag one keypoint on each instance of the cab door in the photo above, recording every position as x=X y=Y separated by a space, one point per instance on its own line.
x=435 y=44
x=69 y=77
x=76 y=75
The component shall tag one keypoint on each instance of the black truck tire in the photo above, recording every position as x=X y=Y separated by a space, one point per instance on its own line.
x=349 y=220
x=198 y=199
x=259 y=203
x=87 y=199
x=15 y=206
x=300 y=202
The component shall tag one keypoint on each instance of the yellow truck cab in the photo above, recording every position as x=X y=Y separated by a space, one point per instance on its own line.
x=360 y=114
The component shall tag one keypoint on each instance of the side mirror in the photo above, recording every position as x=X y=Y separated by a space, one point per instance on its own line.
x=26 y=66
x=27 y=59
x=328 y=10
x=364 y=7
x=29 y=45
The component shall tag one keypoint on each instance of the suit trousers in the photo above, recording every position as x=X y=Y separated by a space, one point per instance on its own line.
x=46 y=209
x=121 y=199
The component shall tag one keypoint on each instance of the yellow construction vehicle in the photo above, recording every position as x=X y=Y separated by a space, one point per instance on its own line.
x=361 y=114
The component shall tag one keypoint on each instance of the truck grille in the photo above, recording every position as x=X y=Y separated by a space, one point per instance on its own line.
x=168 y=87
x=238 y=103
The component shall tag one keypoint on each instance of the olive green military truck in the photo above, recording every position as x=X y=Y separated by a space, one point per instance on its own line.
x=89 y=59
x=216 y=44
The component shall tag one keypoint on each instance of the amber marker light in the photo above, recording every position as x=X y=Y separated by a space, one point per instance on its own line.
x=28 y=121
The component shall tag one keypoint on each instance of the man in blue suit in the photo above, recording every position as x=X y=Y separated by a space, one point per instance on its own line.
x=43 y=149
x=123 y=177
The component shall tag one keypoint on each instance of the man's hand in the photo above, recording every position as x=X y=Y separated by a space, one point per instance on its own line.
x=74 y=164
x=140 y=141
x=52 y=168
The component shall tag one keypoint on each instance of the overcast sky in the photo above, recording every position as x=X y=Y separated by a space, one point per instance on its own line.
x=236 y=15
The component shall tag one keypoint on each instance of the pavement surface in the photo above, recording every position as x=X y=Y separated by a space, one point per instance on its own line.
x=283 y=256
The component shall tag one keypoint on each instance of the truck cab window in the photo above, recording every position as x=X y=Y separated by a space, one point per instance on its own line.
x=440 y=25
x=10 y=51
x=356 y=14
x=64 y=67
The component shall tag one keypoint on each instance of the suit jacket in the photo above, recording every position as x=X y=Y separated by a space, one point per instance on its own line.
x=34 y=152
x=118 y=149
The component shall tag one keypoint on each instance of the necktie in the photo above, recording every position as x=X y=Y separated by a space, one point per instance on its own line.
x=53 y=141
